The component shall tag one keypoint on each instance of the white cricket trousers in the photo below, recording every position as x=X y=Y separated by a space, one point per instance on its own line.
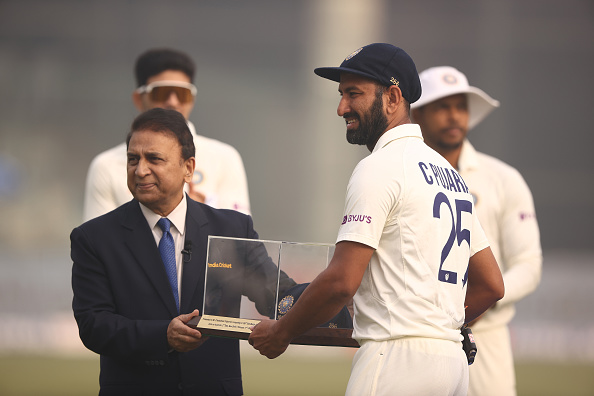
x=412 y=366
x=493 y=373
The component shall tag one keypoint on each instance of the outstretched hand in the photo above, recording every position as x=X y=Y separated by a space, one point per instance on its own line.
x=266 y=338
x=182 y=337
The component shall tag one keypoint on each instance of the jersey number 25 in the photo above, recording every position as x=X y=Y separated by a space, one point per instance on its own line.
x=457 y=234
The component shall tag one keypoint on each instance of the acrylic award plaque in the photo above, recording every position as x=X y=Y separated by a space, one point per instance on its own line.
x=247 y=280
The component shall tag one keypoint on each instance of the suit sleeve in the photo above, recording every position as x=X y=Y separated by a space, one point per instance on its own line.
x=101 y=329
x=261 y=276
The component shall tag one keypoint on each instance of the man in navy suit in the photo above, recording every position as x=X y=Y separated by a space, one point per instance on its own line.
x=125 y=304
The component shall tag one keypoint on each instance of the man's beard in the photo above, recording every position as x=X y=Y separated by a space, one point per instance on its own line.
x=446 y=145
x=372 y=128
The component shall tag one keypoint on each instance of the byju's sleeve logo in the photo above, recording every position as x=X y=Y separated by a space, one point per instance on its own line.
x=356 y=218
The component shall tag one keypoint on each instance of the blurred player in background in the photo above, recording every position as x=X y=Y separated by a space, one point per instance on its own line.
x=410 y=248
x=164 y=78
x=447 y=110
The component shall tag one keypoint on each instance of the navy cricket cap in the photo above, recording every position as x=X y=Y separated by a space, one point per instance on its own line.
x=384 y=63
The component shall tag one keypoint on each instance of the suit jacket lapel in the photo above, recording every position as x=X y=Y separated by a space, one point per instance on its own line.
x=194 y=270
x=141 y=242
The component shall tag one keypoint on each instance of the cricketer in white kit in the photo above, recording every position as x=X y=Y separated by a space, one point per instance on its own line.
x=410 y=251
x=418 y=215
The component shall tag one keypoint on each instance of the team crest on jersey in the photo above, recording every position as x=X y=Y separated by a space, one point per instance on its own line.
x=353 y=54
x=285 y=304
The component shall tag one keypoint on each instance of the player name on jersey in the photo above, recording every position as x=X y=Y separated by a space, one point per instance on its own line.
x=444 y=177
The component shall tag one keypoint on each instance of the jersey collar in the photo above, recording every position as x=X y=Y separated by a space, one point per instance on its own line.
x=398 y=132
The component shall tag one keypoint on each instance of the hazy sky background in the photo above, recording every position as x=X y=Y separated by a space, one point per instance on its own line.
x=66 y=81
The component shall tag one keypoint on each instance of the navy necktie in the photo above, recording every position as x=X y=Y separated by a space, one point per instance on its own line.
x=167 y=250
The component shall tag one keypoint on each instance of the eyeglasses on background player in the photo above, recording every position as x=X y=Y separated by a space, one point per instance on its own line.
x=159 y=91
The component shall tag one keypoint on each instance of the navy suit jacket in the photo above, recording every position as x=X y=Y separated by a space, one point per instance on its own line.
x=123 y=304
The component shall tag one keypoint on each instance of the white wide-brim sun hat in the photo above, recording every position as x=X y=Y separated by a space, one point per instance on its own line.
x=441 y=81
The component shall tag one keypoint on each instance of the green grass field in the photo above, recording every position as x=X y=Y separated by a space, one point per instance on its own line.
x=286 y=376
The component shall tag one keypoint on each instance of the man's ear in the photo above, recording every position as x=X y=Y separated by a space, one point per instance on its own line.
x=394 y=98
x=137 y=100
x=190 y=164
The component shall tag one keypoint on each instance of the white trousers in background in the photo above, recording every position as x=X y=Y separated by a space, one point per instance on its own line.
x=493 y=373
x=409 y=366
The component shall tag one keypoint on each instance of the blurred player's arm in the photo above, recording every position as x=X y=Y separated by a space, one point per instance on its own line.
x=520 y=242
x=485 y=284
x=99 y=198
x=232 y=189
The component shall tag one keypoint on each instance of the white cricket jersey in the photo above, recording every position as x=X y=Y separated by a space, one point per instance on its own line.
x=505 y=208
x=407 y=202
x=219 y=175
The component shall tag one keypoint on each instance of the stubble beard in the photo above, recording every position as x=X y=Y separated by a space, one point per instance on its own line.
x=374 y=126
x=450 y=145
x=446 y=147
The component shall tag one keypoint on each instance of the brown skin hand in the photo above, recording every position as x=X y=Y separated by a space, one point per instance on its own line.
x=181 y=337
x=485 y=284
x=320 y=301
